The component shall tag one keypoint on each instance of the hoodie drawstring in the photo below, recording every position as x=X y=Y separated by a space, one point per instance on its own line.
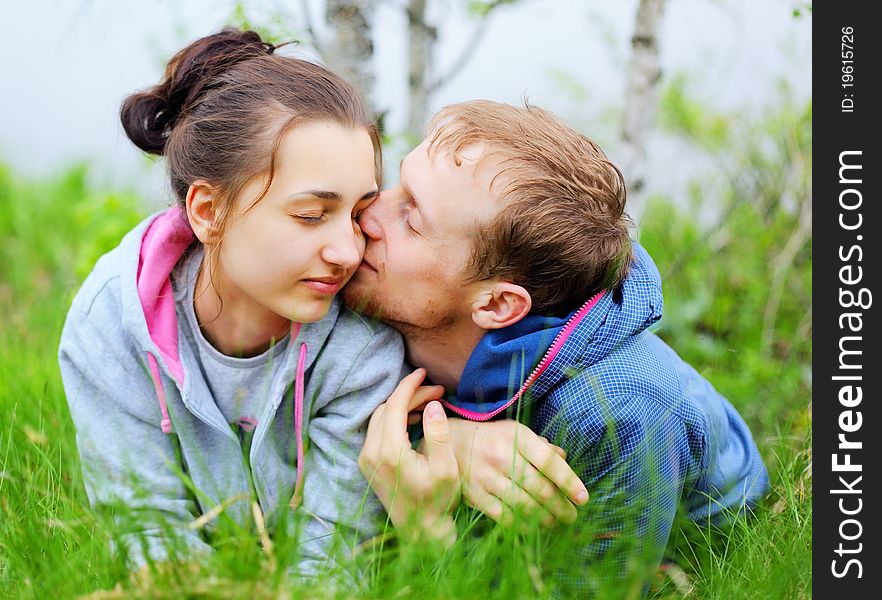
x=166 y=425
x=160 y=393
x=297 y=498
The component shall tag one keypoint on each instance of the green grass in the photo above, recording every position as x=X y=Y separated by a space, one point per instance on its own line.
x=53 y=545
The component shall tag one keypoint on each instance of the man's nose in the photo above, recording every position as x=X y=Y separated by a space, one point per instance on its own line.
x=372 y=218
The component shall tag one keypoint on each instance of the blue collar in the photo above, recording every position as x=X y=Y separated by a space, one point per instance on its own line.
x=504 y=358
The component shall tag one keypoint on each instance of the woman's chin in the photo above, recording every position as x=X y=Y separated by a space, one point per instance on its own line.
x=310 y=312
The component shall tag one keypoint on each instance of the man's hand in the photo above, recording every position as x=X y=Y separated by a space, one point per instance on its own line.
x=506 y=469
x=418 y=490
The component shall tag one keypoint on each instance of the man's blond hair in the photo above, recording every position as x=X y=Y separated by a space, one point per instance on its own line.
x=561 y=231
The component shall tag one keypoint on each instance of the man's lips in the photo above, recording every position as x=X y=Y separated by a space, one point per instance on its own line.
x=324 y=285
x=366 y=266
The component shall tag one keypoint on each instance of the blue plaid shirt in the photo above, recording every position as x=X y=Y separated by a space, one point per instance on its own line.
x=646 y=433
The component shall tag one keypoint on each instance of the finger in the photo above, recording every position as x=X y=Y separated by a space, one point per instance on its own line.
x=490 y=505
x=543 y=491
x=395 y=408
x=416 y=414
x=395 y=449
x=524 y=508
x=560 y=451
x=553 y=467
x=423 y=395
x=419 y=408
x=374 y=432
x=407 y=394
x=439 y=449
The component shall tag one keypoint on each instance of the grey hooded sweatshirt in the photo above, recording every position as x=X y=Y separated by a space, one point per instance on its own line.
x=144 y=414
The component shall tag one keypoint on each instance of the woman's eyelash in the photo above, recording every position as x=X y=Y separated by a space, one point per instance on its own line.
x=311 y=219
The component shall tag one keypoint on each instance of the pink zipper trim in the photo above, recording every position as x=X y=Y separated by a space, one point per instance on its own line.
x=556 y=345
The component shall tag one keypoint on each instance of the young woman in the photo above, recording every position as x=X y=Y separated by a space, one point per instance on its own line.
x=201 y=351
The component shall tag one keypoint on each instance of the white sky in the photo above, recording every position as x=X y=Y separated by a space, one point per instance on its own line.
x=67 y=64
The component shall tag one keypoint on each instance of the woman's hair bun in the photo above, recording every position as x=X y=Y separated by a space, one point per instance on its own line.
x=149 y=116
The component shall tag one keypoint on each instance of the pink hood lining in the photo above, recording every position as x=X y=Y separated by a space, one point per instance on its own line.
x=164 y=242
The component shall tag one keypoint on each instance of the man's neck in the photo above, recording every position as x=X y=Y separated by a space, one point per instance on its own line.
x=443 y=353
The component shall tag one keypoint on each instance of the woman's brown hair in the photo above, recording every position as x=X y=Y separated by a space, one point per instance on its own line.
x=222 y=107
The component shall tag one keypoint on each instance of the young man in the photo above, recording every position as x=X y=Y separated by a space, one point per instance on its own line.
x=503 y=257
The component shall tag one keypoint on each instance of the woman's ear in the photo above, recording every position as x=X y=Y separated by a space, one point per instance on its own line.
x=201 y=210
x=501 y=305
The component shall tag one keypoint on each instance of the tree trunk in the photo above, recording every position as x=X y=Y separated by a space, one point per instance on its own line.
x=421 y=38
x=349 y=49
x=644 y=75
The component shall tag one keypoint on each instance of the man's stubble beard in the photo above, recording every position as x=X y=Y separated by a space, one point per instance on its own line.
x=428 y=322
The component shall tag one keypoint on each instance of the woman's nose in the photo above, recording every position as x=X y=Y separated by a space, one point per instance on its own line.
x=346 y=249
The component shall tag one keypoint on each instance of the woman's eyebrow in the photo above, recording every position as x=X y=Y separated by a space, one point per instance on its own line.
x=323 y=194
x=327 y=195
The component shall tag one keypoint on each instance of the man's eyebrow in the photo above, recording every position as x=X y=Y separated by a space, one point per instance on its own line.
x=410 y=195
x=413 y=199
x=404 y=186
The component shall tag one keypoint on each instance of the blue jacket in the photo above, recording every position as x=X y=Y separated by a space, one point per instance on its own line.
x=646 y=433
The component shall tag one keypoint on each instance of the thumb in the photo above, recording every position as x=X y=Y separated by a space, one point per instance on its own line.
x=437 y=432
x=443 y=468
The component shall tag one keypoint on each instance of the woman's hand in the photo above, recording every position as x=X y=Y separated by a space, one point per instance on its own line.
x=418 y=490
x=506 y=469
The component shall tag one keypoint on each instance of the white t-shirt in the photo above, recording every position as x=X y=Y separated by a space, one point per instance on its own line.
x=240 y=386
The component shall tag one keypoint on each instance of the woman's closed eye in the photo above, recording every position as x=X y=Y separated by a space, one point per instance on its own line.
x=311 y=218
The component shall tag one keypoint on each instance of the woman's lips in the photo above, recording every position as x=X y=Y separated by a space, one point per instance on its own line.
x=325 y=285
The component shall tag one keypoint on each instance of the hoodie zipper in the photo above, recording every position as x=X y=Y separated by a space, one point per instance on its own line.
x=549 y=355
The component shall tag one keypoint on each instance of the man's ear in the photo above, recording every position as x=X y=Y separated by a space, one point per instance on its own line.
x=501 y=305
x=202 y=210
